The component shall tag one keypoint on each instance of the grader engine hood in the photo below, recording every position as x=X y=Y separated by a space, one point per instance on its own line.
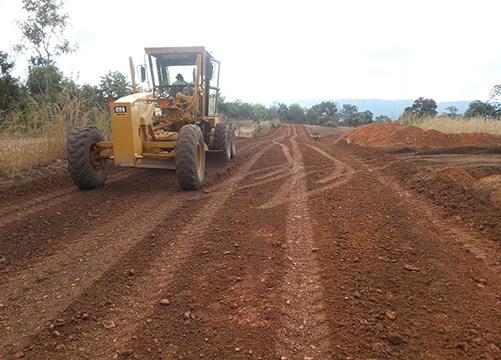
x=127 y=115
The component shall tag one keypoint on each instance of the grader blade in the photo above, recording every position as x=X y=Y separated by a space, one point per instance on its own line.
x=215 y=161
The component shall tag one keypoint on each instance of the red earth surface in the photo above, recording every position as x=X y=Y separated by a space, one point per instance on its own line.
x=308 y=247
x=398 y=135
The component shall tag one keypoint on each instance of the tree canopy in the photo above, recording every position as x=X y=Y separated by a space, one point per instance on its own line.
x=481 y=109
x=42 y=39
x=45 y=82
x=453 y=111
x=495 y=97
x=327 y=112
x=422 y=107
x=42 y=31
x=11 y=91
x=350 y=116
x=383 y=119
x=115 y=80
x=324 y=113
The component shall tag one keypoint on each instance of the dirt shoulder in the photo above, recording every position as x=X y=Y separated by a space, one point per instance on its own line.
x=320 y=131
x=303 y=249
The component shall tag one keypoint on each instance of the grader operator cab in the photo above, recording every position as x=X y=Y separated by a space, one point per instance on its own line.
x=176 y=126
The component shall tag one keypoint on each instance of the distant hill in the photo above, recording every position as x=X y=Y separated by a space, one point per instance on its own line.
x=391 y=108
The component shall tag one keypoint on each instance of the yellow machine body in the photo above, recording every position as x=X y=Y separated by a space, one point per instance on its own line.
x=145 y=125
x=125 y=124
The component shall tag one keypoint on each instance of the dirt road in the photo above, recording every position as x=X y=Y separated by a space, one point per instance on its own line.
x=302 y=250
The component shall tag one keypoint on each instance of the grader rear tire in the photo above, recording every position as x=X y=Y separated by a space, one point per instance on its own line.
x=87 y=169
x=222 y=140
x=190 y=157
x=233 y=137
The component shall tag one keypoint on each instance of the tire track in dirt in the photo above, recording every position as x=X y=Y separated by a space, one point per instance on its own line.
x=50 y=285
x=340 y=174
x=43 y=227
x=24 y=209
x=308 y=252
x=304 y=334
x=378 y=247
x=262 y=177
x=482 y=248
x=20 y=211
x=164 y=266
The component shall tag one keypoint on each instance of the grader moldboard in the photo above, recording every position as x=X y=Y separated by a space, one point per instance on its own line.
x=176 y=126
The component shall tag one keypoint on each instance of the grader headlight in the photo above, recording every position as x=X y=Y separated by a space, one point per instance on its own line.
x=161 y=93
x=113 y=94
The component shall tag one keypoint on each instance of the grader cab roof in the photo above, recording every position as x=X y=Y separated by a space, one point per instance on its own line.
x=178 y=50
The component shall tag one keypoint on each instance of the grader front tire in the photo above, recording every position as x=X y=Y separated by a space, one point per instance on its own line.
x=87 y=169
x=190 y=157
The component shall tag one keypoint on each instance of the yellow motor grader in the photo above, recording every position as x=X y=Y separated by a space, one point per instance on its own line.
x=176 y=126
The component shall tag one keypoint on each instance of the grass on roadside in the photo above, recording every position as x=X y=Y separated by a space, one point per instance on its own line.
x=457 y=125
x=36 y=136
x=251 y=128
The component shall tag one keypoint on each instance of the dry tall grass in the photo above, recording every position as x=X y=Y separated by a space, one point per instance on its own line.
x=461 y=125
x=248 y=128
x=36 y=136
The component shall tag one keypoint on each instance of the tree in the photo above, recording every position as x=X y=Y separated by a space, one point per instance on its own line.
x=496 y=93
x=223 y=106
x=6 y=65
x=240 y=110
x=273 y=111
x=495 y=97
x=245 y=110
x=481 y=109
x=43 y=31
x=312 y=117
x=116 y=81
x=349 y=115
x=260 y=112
x=44 y=83
x=296 y=114
x=422 y=107
x=383 y=119
x=453 y=111
x=282 y=112
x=327 y=112
x=11 y=92
x=42 y=35
x=366 y=117
x=93 y=100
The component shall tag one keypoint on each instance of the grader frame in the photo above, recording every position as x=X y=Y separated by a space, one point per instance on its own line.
x=175 y=126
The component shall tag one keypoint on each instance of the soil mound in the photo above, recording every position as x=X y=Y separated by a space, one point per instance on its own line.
x=490 y=186
x=398 y=135
x=459 y=175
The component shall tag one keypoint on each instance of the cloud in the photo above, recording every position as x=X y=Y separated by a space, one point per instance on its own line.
x=488 y=66
x=279 y=50
x=397 y=51
x=84 y=37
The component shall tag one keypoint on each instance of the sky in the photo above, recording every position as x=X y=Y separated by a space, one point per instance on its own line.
x=275 y=50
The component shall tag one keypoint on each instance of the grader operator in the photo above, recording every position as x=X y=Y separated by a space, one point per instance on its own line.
x=176 y=126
